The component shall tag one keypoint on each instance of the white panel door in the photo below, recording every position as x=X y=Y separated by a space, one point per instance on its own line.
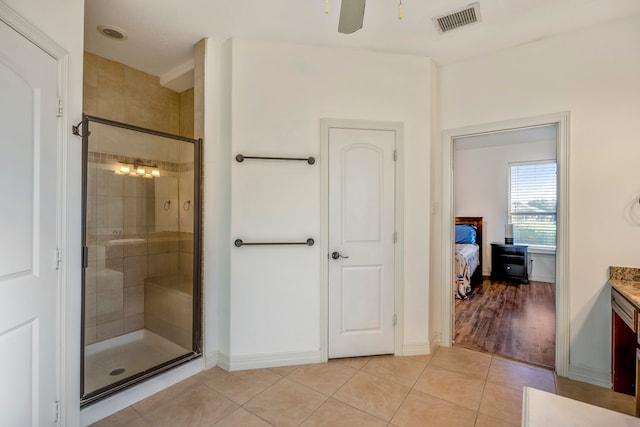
x=361 y=242
x=28 y=224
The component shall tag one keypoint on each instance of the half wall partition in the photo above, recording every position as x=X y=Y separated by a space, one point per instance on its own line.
x=141 y=306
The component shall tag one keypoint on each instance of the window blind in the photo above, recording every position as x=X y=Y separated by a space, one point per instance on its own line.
x=533 y=203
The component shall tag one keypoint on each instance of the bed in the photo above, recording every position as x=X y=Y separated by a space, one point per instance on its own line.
x=468 y=256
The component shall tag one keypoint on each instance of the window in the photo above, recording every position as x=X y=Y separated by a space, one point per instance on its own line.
x=533 y=203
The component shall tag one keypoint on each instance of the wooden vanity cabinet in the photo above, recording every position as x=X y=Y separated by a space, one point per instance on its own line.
x=624 y=339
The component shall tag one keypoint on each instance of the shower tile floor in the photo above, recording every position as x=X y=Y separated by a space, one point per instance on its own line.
x=134 y=352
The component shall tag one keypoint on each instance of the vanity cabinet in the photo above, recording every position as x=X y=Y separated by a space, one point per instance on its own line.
x=624 y=323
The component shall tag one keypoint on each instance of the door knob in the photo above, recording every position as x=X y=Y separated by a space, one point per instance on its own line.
x=336 y=255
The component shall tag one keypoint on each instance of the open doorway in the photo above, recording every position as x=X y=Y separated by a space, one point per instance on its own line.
x=447 y=299
x=505 y=210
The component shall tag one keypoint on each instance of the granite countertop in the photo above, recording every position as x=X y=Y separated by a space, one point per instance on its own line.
x=626 y=280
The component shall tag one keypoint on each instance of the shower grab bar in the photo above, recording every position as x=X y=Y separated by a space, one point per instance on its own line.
x=241 y=158
x=239 y=243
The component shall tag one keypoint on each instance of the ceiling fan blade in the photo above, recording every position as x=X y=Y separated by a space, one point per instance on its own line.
x=351 y=16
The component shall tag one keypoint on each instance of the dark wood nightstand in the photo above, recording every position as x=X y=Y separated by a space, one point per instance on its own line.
x=509 y=263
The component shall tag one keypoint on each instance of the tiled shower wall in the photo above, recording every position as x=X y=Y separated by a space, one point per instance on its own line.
x=122 y=207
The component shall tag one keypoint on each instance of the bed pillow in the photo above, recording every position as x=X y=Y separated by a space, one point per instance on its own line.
x=466 y=234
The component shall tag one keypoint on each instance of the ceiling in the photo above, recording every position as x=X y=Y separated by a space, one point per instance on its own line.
x=161 y=33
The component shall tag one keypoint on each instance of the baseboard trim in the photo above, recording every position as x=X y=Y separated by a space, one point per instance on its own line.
x=434 y=343
x=590 y=376
x=416 y=349
x=211 y=360
x=270 y=360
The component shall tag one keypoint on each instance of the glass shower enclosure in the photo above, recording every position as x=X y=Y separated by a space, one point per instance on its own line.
x=141 y=254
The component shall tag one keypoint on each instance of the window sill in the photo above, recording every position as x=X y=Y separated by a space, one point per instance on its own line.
x=541 y=251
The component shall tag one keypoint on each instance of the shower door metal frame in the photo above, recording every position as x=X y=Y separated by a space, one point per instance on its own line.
x=103 y=392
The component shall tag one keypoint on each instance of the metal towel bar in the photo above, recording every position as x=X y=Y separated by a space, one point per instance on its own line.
x=239 y=243
x=241 y=158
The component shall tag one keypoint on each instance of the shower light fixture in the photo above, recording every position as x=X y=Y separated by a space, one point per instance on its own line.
x=138 y=169
x=124 y=170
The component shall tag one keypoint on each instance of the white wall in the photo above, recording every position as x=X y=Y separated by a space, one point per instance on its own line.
x=279 y=94
x=594 y=74
x=63 y=21
x=481 y=179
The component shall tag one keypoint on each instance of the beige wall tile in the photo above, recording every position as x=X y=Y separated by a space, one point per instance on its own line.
x=186 y=113
x=90 y=70
x=135 y=270
x=110 y=329
x=133 y=300
x=133 y=323
x=109 y=307
x=90 y=100
x=90 y=335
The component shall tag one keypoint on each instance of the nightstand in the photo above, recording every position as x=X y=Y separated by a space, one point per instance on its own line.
x=509 y=262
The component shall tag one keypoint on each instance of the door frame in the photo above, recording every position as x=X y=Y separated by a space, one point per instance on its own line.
x=560 y=119
x=65 y=332
x=398 y=128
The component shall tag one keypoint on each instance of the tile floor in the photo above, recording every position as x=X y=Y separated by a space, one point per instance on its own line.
x=452 y=387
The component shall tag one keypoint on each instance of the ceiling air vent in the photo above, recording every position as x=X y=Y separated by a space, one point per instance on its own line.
x=458 y=18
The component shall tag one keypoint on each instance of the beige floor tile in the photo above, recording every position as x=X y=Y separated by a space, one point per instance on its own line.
x=598 y=396
x=284 y=370
x=518 y=375
x=128 y=417
x=286 y=403
x=197 y=405
x=161 y=398
x=372 y=395
x=402 y=370
x=502 y=402
x=353 y=362
x=240 y=386
x=326 y=378
x=420 y=409
x=338 y=414
x=461 y=360
x=241 y=418
x=451 y=386
x=486 y=421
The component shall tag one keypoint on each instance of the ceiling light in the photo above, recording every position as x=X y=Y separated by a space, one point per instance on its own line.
x=113 y=33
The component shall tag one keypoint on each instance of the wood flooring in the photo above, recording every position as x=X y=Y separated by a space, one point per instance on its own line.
x=508 y=319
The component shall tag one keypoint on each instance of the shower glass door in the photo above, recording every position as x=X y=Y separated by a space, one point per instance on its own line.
x=141 y=282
